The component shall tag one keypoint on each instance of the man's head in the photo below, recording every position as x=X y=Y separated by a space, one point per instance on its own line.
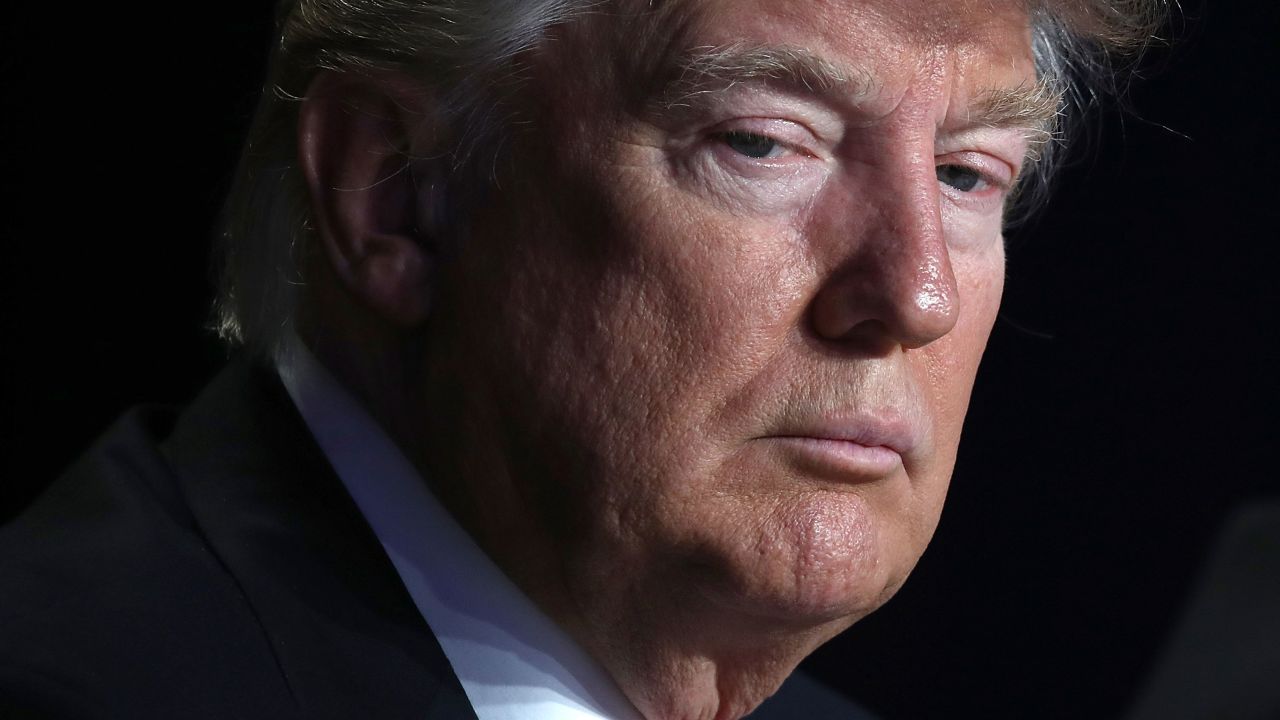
x=689 y=352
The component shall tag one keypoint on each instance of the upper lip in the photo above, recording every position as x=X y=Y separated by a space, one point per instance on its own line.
x=887 y=430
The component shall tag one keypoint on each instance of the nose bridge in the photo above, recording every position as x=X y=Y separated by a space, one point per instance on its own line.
x=913 y=248
x=895 y=283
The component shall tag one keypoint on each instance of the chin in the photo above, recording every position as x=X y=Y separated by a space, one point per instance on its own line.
x=817 y=559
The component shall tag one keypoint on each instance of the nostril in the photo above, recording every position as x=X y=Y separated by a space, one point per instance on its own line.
x=875 y=308
x=853 y=319
x=871 y=338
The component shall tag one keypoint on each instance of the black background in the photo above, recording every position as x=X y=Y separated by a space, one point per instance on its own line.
x=1127 y=402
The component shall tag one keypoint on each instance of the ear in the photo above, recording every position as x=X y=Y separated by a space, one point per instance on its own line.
x=355 y=135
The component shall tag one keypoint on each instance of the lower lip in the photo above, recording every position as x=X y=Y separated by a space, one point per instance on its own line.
x=849 y=460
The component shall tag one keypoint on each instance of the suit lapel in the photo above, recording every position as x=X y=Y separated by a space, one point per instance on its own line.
x=348 y=638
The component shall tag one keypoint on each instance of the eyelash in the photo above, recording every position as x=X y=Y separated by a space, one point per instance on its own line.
x=994 y=180
x=978 y=176
x=729 y=137
x=734 y=140
x=760 y=149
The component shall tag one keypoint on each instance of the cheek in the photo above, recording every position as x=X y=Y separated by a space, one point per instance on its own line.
x=951 y=363
x=980 y=278
x=630 y=321
x=689 y=304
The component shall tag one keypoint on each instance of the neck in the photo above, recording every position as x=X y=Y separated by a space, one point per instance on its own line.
x=677 y=658
x=674 y=657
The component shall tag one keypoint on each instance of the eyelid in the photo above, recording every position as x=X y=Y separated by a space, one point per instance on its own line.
x=794 y=136
x=761 y=101
x=1007 y=147
x=995 y=171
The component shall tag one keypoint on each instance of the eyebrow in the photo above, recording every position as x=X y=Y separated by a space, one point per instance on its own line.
x=1033 y=108
x=705 y=70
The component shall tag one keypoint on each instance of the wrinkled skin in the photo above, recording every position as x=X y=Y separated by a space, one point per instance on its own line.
x=650 y=357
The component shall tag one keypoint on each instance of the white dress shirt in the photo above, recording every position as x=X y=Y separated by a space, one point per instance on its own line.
x=513 y=661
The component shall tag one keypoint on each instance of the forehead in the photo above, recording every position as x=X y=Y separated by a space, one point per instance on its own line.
x=835 y=23
x=964 y=44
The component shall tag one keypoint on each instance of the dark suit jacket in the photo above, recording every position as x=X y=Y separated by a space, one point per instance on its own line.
x=211 y=565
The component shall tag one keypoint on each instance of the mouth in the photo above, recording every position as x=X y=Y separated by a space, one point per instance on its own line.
x=853 y=450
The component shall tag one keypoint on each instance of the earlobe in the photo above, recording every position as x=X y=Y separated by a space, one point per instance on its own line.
x=354 y=136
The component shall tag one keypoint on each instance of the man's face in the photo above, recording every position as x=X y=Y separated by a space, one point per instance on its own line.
x=717 y=332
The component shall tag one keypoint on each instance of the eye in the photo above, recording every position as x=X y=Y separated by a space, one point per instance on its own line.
x=962 y=178
x=752 y=145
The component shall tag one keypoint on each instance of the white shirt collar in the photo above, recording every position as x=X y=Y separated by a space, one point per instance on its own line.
x=513 y=661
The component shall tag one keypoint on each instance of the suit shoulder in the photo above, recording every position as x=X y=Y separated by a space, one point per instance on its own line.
x=108 y=590
x=115 y=506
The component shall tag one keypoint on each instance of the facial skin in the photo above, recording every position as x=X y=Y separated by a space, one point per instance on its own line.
x=697 y=374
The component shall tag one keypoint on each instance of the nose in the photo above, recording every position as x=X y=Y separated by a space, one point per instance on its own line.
x=891 y=282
